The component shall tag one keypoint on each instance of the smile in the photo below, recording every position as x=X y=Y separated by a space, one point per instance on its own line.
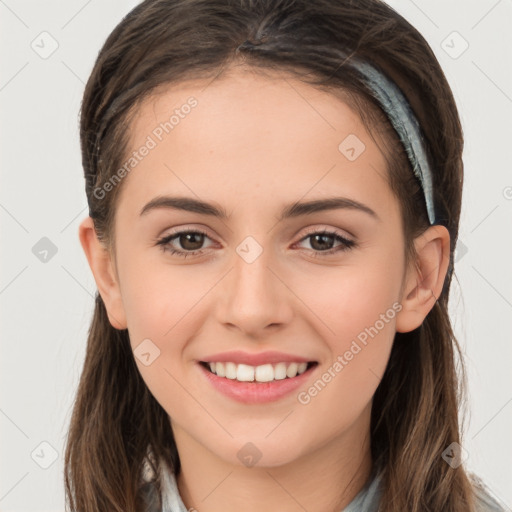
x=261 y=373
x=256 y=378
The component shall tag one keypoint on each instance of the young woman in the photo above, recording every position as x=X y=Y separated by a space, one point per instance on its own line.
x=274 y=193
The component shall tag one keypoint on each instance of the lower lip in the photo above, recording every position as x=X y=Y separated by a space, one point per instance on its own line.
x=256 y=392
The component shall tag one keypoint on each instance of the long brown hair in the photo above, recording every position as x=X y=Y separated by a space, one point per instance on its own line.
x=415 y=408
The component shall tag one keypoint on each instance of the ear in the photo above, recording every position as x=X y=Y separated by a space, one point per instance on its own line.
x=424 y=278
x=100 y=261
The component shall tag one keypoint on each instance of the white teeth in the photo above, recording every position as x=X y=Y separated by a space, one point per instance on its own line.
x=262 y=373
x=245 y=373
x=280 y=371
x=220 y=370
x=291 y=371
x=230 y=370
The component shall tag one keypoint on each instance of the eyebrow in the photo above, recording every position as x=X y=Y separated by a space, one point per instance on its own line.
x=292 y=210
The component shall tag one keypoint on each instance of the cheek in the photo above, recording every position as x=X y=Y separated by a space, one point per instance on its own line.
x=158 y=298
x=163 y=306
x=357 y=308
x=348 y=299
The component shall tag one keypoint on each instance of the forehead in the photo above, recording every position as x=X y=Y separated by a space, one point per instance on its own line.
x=258 y=100
x=252 y=132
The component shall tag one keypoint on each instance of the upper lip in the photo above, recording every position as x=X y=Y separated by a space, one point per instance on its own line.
x=255 y=359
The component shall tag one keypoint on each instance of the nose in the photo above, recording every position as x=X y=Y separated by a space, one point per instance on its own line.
x=254 y=297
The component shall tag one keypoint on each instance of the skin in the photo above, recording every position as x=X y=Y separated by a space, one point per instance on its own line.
x=252 y=145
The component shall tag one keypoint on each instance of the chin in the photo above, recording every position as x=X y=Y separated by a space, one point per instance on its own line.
x=261 y=452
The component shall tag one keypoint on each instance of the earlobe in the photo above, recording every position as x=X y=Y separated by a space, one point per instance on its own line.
x=425 y=278
x=100 y=262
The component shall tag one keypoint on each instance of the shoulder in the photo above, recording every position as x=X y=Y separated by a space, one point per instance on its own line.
x=369 y=497
x=484 y=500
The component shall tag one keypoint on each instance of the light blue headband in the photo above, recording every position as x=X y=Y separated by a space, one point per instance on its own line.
x=397 y=108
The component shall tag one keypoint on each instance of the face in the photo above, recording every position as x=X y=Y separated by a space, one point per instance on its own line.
x=269 y=283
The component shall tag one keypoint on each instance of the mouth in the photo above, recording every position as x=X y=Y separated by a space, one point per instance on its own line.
x=262 y=373
x=268 y=382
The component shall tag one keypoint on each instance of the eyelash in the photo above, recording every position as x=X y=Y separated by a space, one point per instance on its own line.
x=346 y=244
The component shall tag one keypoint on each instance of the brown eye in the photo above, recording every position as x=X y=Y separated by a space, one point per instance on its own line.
x=191 y=241
x=184 y=243
x=322 y=242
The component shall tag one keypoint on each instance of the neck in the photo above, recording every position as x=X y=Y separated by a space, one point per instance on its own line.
x=324 y=480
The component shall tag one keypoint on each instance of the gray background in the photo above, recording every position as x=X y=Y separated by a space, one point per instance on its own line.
x=47 y=298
